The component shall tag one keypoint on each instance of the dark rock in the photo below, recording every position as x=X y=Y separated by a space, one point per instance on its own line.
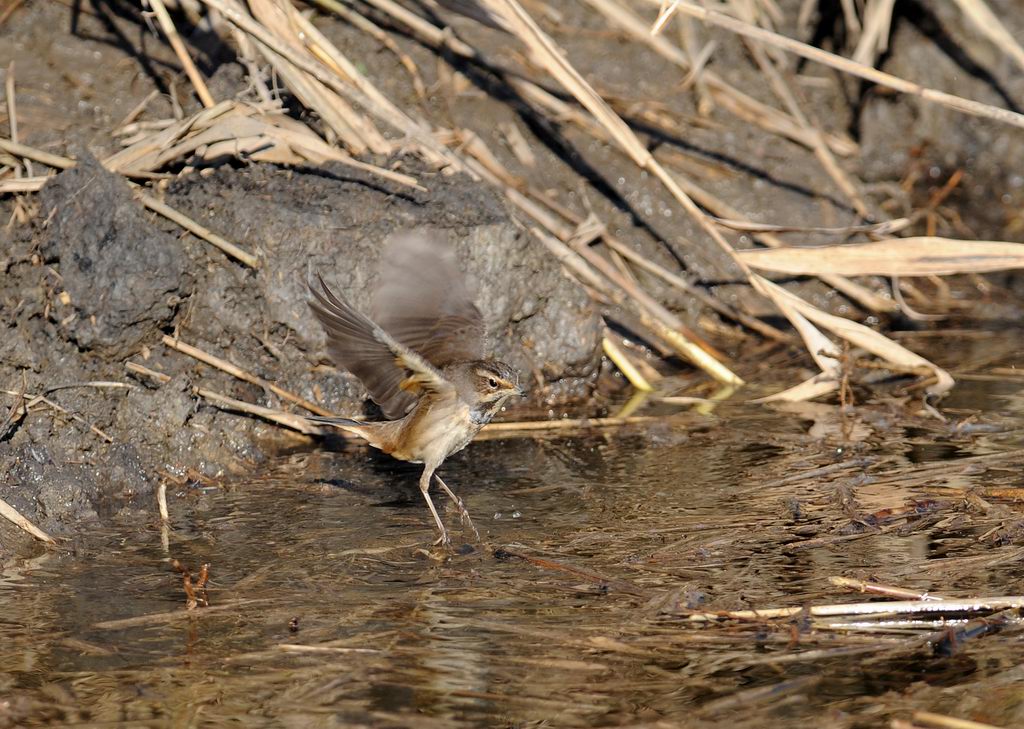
x=123 y=275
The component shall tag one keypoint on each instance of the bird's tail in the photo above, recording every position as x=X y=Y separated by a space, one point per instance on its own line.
x=371 y=432
x=335 y=421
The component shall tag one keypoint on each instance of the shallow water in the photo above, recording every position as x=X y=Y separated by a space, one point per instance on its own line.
x=328 y=607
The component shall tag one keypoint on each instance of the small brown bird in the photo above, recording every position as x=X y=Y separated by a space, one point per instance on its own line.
x=420 y=358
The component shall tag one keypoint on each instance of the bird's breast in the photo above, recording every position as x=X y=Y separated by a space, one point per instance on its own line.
x=437 y=431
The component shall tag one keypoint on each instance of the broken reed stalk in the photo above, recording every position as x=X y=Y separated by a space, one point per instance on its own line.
x=11 y=146
x=967 y=106
x=200 y=230
x=865 y=609
x=12 y=116
x=33 y=399
x=887 y=590
x=138 y=369
x=625 y=365
x=25 y=184
x=64 y=163
x=941 y=721
x=988 y=23
x=167 y=26
x=371 y=102
x=236 y=371
x=12 y=515
x=289 y=420
x=751 y=322
x=582 y=271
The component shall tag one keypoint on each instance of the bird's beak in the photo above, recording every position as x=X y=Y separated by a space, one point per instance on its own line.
x=520 y=391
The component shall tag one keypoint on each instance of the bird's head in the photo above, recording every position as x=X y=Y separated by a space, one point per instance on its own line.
x=495 y=382
x=484 y=385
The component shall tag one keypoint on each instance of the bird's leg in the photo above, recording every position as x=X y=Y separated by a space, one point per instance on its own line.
x=463 y=511
x=424 y=487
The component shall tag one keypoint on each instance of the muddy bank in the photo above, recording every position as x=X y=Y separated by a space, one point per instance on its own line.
x=96 y=282
x=92 y=281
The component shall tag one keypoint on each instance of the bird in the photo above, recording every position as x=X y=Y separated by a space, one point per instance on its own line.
x=420 y=357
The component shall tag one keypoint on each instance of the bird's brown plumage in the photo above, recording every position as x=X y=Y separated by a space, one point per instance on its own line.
x=420 y=357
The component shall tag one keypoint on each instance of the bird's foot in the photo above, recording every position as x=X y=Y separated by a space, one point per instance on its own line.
x=444 y=540
x=464 y=517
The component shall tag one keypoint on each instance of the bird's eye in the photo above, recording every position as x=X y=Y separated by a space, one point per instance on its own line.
x=492 y=383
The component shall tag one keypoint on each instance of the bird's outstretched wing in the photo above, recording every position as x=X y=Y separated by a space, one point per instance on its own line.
x=422 y=300
x=393 y=373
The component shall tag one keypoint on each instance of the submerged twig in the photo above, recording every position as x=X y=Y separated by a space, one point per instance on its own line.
x=864 y=609
x=887 y=590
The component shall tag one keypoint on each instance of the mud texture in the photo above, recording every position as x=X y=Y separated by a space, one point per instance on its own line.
x=97 y=281
x=94 y=280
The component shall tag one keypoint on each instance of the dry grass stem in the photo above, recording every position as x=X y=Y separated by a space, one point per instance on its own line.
x=920 y=256
x=176 y=615
x=372 y=103
x=564 y=424
x=161 y=501
x=716 y=304
x=625 y=365
x=236 y=371
x=941 y=721
x=25 y=184
x=289 y=420
x=33 y=399
x=967 y=106
x=200 y=230
x=167 y=26
x=731 y=99
x=858 y=335
x=987 y=22
x=579 y=264
x=11 y=146
x=814 y=134
x=887 y=228
x=11 y=514
x=369 y=27
x=874 y=39
x=12 y=117
x=138 y=369
x=867 y=609
x=887 y=590
x=356 y=132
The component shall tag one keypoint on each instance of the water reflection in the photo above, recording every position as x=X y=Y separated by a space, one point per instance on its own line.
x=329 y=610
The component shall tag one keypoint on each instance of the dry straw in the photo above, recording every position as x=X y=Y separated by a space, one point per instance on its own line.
x=355 y=117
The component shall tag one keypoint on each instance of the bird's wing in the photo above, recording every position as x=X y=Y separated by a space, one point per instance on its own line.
x=423 y=301
x=394 y=375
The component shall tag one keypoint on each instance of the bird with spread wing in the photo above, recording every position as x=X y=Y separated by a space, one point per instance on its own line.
x=421 y=358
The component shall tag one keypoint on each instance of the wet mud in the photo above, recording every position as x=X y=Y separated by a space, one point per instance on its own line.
x=97 y=282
